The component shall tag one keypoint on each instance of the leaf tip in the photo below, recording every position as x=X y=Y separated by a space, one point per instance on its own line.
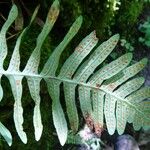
x=9 y=144
x=120 y=131
x=76 y=25
x=145 y=61
x=117 y=36
x=111 y=131
x=129 y=56
x=38 y=133
x=38 y=6
x=93 y=35
x=80 y=19
x=24 y=141
x=114 y=39
x=53 y=11
x=63 y=140
x=142 y=79
x=56 y=4
x=14 y=8
x=23 y=137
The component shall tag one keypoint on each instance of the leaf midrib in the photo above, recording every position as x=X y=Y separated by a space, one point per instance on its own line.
x=7 y=73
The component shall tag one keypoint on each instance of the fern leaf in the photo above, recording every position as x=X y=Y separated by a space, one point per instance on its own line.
x=85 y=104
x=136 y=99
x=33 y=62
x=127 y=73
x=67 y=71
x=16 y=83
x=50 y=69
x=15 y=59
x=97 y=114
x=11 y=18
x=109 y=111
x=107 y=92
x=121 y=110
x=6 y=134
x=53 y=61
x=111 y=69
x=32 y=68
x=139 y=95
x=121 y=116
x=130 y=87
x=145 y=106
x=125 y=106
x=1 y=90
x=34 y=87
x=88 y=68
x=57 y=111
x=97 y=57
x=139 y=113
x=81 y=51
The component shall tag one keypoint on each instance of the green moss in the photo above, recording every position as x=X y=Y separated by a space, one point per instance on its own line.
x=128 y=15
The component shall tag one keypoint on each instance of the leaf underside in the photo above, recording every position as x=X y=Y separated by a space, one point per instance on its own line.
x=6 y=134
x=110 y=92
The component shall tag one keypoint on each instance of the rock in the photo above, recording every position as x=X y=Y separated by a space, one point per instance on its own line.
x=126 y=142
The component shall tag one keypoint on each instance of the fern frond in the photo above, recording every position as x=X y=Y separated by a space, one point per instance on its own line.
x=6 y=134
x=106 y=92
